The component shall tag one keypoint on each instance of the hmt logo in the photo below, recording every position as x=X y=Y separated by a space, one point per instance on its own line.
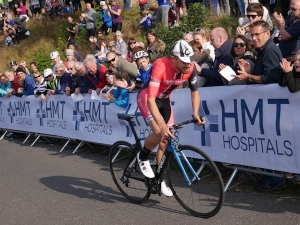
x=20 y=112
x=241 y=118
x=53 y=113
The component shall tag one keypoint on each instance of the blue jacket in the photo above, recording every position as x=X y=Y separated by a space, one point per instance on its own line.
x=107 y=20
x=4 y=88
x=121 y=96
x=62 y=83
x=222 y=56
x=28 y=86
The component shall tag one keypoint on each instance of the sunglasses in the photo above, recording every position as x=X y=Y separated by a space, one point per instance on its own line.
x=70 y=68
x=239 y=44
x=132 y=42
x=112 y=60
x=37 y=76
x=99 y=33
x=199 y=30
x=251 y=16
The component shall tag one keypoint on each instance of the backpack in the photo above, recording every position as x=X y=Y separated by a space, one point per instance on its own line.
x=142 y=2
x=148 y=22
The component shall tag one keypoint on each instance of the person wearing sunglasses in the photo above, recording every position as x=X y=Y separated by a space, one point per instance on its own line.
x=241 y=49
x=254 y=12
x=40 y=87
x=117 y=63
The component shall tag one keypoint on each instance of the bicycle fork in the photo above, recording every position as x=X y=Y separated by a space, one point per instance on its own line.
x=175 y=150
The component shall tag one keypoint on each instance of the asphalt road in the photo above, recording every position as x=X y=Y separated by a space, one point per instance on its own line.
x=39 y=185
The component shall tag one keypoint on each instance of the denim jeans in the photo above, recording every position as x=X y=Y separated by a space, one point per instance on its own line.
x=241 y=4
x=272 y=181
x=127 y=4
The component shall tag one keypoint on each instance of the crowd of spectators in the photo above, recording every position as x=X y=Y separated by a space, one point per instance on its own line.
x=255 y=56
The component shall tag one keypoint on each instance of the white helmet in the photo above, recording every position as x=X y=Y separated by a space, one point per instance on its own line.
x=140 y=54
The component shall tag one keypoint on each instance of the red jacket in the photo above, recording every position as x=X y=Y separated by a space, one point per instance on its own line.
x=98 y=80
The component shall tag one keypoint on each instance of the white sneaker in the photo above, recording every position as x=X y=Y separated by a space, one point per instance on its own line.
x=145 y=167
x=165 y=189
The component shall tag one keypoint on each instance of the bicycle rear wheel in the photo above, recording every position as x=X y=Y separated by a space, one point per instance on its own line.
x=131 y=183
x=204 y=197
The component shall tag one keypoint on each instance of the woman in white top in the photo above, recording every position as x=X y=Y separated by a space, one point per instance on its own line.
x=201 y=35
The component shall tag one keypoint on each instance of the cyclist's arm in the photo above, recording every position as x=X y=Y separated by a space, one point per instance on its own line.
x=195 y=95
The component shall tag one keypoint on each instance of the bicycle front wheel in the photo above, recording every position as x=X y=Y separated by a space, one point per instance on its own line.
x=130 y=181
x=204 y=196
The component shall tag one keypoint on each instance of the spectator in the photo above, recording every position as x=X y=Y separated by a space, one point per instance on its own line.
x=202 y=58
x=155 y=47
x=28 y=82
x=255 y=12
x=142 y=60
x=188 y=36
x=89 y=17
x=162 y=13
x=74 y=88
x=132 y=46
x=110 y=87
x=289 y=31
x=5 y=85
x=21 y=13
x=33 y=67
x=146 y=21
x=202 y=36
x=101 y=53
x=40 y=88
x=116 y=12
x=51 y=79
x=14 y=66
x=289 y=78
x=180 y=4
x=121 y=95
x=64 y=79
x=267 y=66
x=55 y=58
x=119 y=64
x=120 y=45
x=72 y=29
x=219 y=39
x=143 y=4
x=95 y=74
x=35 y=8
x=77 y=55
x=23 y=65
x=241 y=49
x=105 y=18
x=70 y=55
x=20 y=33
x=84 y=83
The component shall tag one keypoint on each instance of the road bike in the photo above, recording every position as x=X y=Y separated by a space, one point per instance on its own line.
x=193 y=177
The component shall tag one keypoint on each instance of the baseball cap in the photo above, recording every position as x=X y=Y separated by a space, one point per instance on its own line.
x=54 y=54
x=47 y=72
x=102 y=3
x=69 y=52
x=184 y=51
x=13 y=63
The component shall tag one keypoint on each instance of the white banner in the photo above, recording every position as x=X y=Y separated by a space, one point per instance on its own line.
x=253 y=125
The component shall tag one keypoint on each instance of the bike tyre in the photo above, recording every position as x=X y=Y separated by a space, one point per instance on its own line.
x=203 y=198
x=136 y=190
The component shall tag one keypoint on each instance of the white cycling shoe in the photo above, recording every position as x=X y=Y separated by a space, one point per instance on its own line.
x=145 y=167
x=165 y=189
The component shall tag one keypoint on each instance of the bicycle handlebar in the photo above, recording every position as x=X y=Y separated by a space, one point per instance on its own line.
x=182 y=124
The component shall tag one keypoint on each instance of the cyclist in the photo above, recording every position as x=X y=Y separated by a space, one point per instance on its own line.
x=154 y=102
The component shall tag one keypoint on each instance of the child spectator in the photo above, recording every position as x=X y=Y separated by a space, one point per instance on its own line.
x=290 y=78
x=121 y=95
x=142 y=61
x=146 y=21
x=5 y=85
x=110 y=87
